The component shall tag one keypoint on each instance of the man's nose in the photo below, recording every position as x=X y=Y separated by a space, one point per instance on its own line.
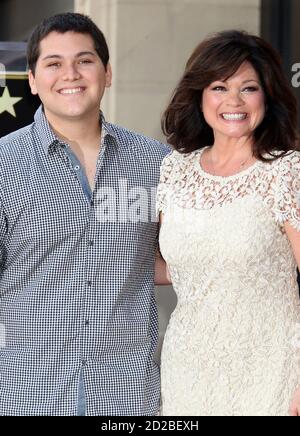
x=71 y=72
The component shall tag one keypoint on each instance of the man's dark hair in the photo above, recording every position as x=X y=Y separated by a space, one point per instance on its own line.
x=62 y=23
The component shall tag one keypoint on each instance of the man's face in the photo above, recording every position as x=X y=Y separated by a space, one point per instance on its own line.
x=69 y=78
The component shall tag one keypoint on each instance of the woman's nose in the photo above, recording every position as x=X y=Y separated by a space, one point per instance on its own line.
x=235 y=98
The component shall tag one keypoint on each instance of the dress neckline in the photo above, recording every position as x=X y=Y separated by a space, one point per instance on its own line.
x=241 y=173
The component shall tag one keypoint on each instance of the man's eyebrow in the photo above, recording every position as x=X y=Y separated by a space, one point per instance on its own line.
x=54 y=56
x=85 y=53
x=78 y=55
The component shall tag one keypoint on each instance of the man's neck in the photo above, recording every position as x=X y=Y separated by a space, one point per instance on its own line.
x=84 y=133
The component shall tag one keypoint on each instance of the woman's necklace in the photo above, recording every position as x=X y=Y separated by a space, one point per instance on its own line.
x=240 y=167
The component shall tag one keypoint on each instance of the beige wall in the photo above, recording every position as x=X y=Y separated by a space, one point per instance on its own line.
x=150 y=41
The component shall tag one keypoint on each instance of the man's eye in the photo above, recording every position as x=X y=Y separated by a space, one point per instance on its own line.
x=85 y=61
x=54 y=65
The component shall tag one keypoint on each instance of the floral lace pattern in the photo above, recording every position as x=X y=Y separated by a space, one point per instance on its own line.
x=232 y=346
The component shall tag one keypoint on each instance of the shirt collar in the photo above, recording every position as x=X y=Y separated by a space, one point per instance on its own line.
x=49 y=139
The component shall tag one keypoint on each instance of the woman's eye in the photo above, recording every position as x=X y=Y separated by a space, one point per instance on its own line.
x=219 y=88
x=250 y=89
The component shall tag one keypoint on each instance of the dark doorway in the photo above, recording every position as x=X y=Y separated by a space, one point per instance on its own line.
x=280 y=26
x=19 y=17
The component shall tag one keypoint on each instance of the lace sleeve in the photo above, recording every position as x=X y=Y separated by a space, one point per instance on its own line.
x=288 y=191
x=163 y=188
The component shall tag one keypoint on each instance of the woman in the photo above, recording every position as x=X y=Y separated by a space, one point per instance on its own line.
x=229 y=199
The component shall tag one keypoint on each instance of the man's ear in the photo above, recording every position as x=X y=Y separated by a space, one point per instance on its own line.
x=31 y=80
x=108 y=75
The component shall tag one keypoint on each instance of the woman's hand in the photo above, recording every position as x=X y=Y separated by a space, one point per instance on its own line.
x=295 y=404
x=162 y=276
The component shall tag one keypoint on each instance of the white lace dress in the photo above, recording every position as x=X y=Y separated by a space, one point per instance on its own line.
x=232 y=346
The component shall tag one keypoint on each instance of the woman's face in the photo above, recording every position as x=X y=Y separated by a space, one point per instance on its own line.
x=234 y=108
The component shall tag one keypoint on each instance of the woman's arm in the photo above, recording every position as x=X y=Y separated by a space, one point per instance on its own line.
x=162 y=276
x=294 y=238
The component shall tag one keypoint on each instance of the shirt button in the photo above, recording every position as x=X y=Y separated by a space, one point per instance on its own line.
x=77 y=168
x=89 y=283
x=92 y=203
x=87 y=322
x=91 y=243
x=84 y=363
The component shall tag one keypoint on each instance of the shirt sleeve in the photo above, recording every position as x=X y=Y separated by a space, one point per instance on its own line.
x=163 y=189
x=3 y=224
x=288 y=191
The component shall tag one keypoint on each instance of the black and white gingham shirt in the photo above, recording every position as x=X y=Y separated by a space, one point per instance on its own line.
x=76 y=293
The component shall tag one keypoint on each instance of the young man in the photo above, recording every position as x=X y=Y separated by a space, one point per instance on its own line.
x=77 y=307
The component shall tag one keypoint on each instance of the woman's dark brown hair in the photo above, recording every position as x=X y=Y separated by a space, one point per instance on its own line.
x=218 y=58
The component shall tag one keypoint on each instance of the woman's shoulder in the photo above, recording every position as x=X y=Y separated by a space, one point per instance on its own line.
x=285 y=168
x=177 y=157
x=292 y=158
x=284 y=161
x=177 y=165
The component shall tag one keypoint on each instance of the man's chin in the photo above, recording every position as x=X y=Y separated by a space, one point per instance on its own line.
x=71 y=115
